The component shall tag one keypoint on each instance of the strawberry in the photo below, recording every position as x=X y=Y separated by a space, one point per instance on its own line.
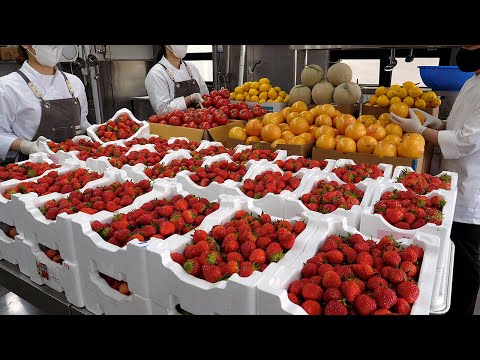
x=232 y=268
x=391 y=258
x=192 y=266
x=295 y=287
x=350 y=290
x=274 y=252
x=364 y=271
x=299 y=226
x=167 y=228
x=409 y=291
x=376 y=282
x=121 y=223
x=403 y=225
x=165 y=211
x=293 y=298
x=257 y=256
x=230 y=245
x=384 y=271
x=309 y=270
x=212 y=258
x=188 y=216
x=190 y=252
x=126 y=200
x=334 y=257
x=199 y=235
x=235 y=256
x=329 y=244
x=312 y=292
x=180 y=204
x=382 y=312
x=178 y=258
x=312 y=307
x=145 y=219
x=324 y=268
x=402 y=307
x=386 y=240
x=147 y=231
x=396 y=276
x=350 y=254
x=202 y=246
x=211 y=273
x=364 y=258
x=122 y=235
x=246 y=269
x=361 y=246
x=385 y=297
x=409 y=254
x=365 y=304
x=286 y=241
x=418 y=223
x=219 y=232
x=355 y=238
x=263 y=242
x=409 y=268
x=52 y=213
x=246 y=248
x=332 y=294
x=335 y=307
x=331 y=280
x=345 y=272
x=97 y=225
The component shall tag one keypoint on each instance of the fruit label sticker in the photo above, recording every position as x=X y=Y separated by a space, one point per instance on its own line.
x=65 y=265
x=143 y=243
x=44 y=272
x=54 y=158
x=396 y=235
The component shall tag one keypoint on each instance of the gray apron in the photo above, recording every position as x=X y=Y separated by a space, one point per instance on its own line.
x=183 y=88
x=60 y=118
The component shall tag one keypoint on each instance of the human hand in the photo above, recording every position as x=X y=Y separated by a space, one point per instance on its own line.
x=430 y=120
x=30 y=147
x=408 y=125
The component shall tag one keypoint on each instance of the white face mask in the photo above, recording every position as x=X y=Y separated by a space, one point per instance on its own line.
x=179 y=51
x=47 y=55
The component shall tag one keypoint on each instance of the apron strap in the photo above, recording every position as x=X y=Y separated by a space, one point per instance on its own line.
x=169 y=74
x=31 y=85
x=188 y=70
x=70 y=89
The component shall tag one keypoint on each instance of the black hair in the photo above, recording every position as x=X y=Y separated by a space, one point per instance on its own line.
x=22 y=55
x=160 y=54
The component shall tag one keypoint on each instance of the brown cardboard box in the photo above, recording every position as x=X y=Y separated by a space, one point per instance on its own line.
x=420 y=165
x=8 y=53
x=378 y=110
x=220 y=133
x=300 y=150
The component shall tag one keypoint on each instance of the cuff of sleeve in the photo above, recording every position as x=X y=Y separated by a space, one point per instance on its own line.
x=179 y=103
x=446 y=141
x=5 y=144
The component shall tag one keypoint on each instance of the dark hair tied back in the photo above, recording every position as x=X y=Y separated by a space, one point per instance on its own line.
x=22 y=55
x=160 y=54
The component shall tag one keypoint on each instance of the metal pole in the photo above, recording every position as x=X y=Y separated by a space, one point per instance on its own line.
x=241 y=67
x=97 y=103
x=295 y=67
x=306 y=57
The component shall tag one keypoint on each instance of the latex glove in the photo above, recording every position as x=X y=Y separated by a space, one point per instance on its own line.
x=196 y=97
x=430 y=120
x=412 y=125
x=30 y=147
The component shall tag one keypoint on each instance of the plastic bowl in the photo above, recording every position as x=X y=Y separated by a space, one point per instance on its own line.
x=444 y=77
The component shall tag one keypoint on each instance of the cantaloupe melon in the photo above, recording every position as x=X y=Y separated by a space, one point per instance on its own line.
x=322 y=93
x=300 y=93
x=339 y=73
x=312 y=74
x=347 y=93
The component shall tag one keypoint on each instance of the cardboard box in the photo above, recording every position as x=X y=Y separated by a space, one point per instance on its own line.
x=300 y=150
x=379 y=110
x=220 y=133
x=349 y=109
x=420 y=165
x=8 y=53
x=270 y=106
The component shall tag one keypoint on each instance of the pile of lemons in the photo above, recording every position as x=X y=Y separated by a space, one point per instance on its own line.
x=409 y=94
x=259 y=91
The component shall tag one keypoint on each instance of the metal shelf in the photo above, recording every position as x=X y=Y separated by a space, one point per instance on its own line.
x=360 y=47
x=40 y=296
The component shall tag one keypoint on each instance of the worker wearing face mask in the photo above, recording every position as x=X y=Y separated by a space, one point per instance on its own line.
x=39 y=101
x=459 y=141
x=172 y=83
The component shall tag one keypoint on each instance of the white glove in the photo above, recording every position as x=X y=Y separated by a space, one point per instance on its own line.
x=409 y=125
x=196 y=97
x=30 y=147
x=430 y=120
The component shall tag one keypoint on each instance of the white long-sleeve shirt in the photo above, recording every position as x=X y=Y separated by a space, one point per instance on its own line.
x=460 y=145
x=20 y=110
x=161 y=89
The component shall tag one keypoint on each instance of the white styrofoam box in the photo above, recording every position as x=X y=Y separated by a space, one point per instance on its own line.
x=205 y=144
x=281 y=154
x=7 y=213
x=454 y=176
x=173 y=139
x=272 y=296
x=294 y=206
x=64 y=277
x=143 y=130
x=441 y=300
x=328 y=168
x=9 y=249
x=60 y=156
x=33 y=225
x=171 y=285
x=386 y=168
x=376 y=226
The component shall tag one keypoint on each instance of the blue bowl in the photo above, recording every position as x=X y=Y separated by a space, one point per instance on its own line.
x=448 y=78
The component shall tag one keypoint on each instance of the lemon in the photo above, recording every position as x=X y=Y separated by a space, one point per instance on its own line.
x=246 y=86
x=254 y=85
x=272 y=94
x=402 y=93
x=409 y=101
x=394 y=87
x=391 y=93
x=381 y=90
x=282 y=94
x=264 y=87
x=239 y=97
x=263 y=95
x=415 y=92
x=435 y=103
x=264 y=81
x=286 y=98
x=252 y=92
x=278 y=100
x=261 y=101
x=232 y=96
x=395 y=99
x=428 y=96
x=269 y=100
x=238 y=90
x=420 y=104
x=254 y=98
x=277 y=89
x=247 y=98
x=408 y=85
x=383 y=101
x=373 y=100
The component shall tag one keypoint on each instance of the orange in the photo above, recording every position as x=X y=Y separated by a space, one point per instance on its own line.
x=324 y=130
x=292 y=116
x=299 y=106
x=297 y=140
x=376 y=131
x=343 y=121
x=307 y=115
x=254 y=127
x=411 y=148
x=285 y=112
x=338 y=137
x=252 y=139
x=308 y=137
x=287 y=135
x=271 y=132
x=272 y=118
x=420 y=104
x=299 y=125
x=394 y=139
x=414 y=136
x=400 y=109
x=326 y=142
x=284 y=127
x=436 y=102
x=384 y=119
x=317 y=110
x=346 y=145
x=323 y=120
x=364 y=119
x=366 y=144
x=385 y=148
x=237 y=133
x=356 y=130
x=394 y=129
x=420 y=116
x=276 y=142
x=329 y=110
x=336 y=113
x=312 y=129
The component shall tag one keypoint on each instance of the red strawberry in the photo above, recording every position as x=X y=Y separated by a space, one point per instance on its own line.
x=230 y=245
x=409 y=254
x=235 y=256
x=258 y=256
x=387 y=240
x=145 y=219
x=299 y=226
x=385 y=271
x=396 y=276
x=212 y=273
x=122 y=235
x=190 y=252
x=126 y=200
x=361 y=246
x=378 y=263
x=382 y=312
x=188 y=216
x=350 y=290
x=409 y=268
x=219 y=232
x=192 y=266
x=165 y=211
x=365 y=305
x=331 y=280
x=376 y=282
x=147 y=231
x=180 y=205
x=353 y=239
x=394 y=215
x=350 y=254
x=332 y=294
x=364 y=271
x=329 y=244
x=364 y=258
x=419 y=251
x=246 y=269
x=334 y=257
x=402 y=307
x=265 y=219
x=286 y=241
x=274 y=252
x=312 y=307
x=391 y=258
x=122 y=223
x=324 y=268
x=167 y=228
x=178 y=258
x=293 y=298
x=309 y=270
x=97 y=225
x=246 y=248
x=335 y=307
x=418 y=223
x=317 y=280
x=295 y=287
x=52 y=213
x=199 y=235
x=263 y=242
x=360 y=283
x=202 y=246
x=403 y=225
x=409 y=291
x=312 y=292
x=385 y=297
x=345 y=272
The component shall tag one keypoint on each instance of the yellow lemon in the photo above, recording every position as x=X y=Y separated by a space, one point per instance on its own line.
x=394 y=87
x=415 y=92
x=409 y=101
x=269 y=100
x=277 y=88
x=272 y=94
x=428 y=96
x=232 y=96
x=246 y=86
x=402 y=93
x=408 y=85
x=254 y=85
x=252 y=92
x=264 y=87
x=264 y=81
x=395 y=99
x=391 y=93
x=282 y=93
x=383 y=101
x=261 y=101
x=263 y=95
x=239 y=97
x=435 y=103
x=373 y=100
x=254 y=98
x=247 y=98
x=381 y=90
x=238 y=90
x=285 y=99
x=420 y=104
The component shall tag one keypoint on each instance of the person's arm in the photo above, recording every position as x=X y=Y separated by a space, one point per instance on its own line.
x=201 y=82
x=8 y=140
x=82 y=97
